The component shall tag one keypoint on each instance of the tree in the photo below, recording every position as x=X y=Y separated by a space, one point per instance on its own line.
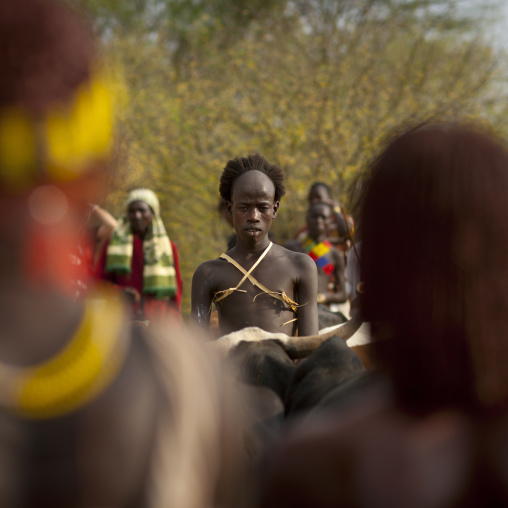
x=315 y=89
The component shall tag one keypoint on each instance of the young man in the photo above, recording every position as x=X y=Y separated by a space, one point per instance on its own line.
x=329 y=261
x=140 y=258
x=339 y=233
x=256 y=283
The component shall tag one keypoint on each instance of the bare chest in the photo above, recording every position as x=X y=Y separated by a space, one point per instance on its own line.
x=271 y=274
x=266 y=298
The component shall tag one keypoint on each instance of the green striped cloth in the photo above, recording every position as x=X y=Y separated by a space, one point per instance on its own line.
x=159 y=276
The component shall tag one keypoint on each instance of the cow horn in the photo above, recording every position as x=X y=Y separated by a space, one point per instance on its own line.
x=295 y=347
x=301 y=347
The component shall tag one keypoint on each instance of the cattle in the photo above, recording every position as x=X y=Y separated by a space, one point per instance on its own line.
x=263 y=363
x=295 y=347
x=328 y=318
x=267 y=360
x=361 y=343
x=326 y=368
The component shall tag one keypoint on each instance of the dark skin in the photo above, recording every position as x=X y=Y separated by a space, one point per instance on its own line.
x=140 y=216
x=320 y=195
x=318 y=224
x=391 y=457
x=252 y=209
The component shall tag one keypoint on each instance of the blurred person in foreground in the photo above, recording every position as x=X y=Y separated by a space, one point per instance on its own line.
x=92 y=412
x=140 y=258
x=437 y=436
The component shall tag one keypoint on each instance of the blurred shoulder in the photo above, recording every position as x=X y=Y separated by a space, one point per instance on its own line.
x=294 y=245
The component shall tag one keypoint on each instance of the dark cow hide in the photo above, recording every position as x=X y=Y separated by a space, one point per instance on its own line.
x=263 y=363
x=329 y=366
x=328 y=318
x=302 y=385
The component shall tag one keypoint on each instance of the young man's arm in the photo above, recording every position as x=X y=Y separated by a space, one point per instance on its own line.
x=307 y=292
x=201 y=296
x=339 y=295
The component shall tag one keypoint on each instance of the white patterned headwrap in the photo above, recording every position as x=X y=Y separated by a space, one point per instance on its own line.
x=145 y=195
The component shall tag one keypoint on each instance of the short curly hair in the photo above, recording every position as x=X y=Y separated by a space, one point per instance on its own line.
x=240 y=165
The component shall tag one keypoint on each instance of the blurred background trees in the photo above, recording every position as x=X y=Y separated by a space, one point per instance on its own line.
x=313 y=85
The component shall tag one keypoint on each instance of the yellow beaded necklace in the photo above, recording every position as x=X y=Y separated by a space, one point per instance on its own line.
x=86 y=366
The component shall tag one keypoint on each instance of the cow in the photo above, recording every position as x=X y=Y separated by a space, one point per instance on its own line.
x=268 y=360
x=326 y=368
x=361 y=343
x=328 y=318
x=295 y=347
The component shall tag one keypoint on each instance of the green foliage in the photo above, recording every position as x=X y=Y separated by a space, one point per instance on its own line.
x=315 y=86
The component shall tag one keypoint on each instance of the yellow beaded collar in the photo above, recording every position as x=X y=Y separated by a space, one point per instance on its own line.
x=85 y=367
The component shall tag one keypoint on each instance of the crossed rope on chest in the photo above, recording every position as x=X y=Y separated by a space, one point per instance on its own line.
x=279 y=295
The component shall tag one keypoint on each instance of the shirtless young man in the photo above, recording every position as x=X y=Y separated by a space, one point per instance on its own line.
x=284 y=297
x=329 y=261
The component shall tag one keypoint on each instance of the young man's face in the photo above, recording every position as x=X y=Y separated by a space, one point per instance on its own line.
x=252 y=206
x=318 y=220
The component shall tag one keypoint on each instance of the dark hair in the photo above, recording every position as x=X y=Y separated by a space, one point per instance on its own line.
x=45 y=53
x=241 y=165
x=320 y=203
x=315 y=185
x=437 y=281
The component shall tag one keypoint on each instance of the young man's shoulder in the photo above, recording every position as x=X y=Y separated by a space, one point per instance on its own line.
x=298 y=259
x=207 y=268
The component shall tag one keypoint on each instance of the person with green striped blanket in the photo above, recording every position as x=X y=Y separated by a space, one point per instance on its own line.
x=140 y=258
